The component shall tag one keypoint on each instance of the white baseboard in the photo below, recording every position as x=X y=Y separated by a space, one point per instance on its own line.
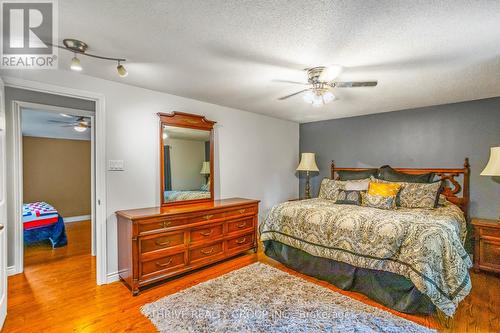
x=112 y=277
x=77 y=218
x=11 y=270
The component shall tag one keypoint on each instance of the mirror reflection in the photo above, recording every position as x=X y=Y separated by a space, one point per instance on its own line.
x=186 y=154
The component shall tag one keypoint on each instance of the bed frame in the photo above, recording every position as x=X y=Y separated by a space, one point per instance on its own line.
x=454 y=191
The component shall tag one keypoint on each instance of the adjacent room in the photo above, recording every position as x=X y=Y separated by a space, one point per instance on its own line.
x=250 y=166
x=56 y=178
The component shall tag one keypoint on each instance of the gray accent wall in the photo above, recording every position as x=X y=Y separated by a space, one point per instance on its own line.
x=433 y=137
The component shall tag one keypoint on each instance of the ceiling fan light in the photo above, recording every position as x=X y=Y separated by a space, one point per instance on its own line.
x=328 y=97
x=80 y=128
x=75 y=64
x=121 y=70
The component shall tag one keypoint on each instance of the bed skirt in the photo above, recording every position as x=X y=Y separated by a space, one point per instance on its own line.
x=55 y=233
x=392 y=290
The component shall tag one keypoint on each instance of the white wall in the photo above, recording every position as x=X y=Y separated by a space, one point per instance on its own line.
x=186 y=159
x=255 y=155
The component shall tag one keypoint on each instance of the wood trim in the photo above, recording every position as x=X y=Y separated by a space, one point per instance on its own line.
x=186 y=120
x=451 y=188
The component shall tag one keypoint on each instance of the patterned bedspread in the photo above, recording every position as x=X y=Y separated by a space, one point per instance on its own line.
x=424 y=245
x=186 y=195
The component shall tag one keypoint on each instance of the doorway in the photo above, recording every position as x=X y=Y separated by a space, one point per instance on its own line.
x=57 y=152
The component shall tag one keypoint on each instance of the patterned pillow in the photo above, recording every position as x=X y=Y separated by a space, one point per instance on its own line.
x=346 y=197
x=329 y=188
x=384 y=189
x=378 y=201
x=416 y=195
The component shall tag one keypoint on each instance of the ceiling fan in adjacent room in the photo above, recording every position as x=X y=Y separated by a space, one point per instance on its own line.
x=321 y=81
x=79 y=123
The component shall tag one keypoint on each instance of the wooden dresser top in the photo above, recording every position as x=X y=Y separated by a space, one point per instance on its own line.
x=134 y=214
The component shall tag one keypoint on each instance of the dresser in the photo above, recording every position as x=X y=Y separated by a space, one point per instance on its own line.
x=162 y=242
x=486 y=245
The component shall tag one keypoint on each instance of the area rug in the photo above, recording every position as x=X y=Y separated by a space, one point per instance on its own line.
x=260 y=298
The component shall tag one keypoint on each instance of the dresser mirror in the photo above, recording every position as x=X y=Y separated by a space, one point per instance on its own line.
x=186 y=158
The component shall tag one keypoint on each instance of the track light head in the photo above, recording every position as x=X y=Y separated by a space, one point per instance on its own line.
x=121 y=70
x=75 y=64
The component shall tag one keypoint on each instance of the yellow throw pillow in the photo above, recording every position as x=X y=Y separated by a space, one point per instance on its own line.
x=384 y=190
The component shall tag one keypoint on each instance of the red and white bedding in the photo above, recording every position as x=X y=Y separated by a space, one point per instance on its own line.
x=38 y=214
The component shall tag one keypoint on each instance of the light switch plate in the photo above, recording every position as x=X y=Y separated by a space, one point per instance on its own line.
x=115 y=165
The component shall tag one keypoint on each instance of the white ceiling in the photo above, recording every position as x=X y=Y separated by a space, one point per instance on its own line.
x=229 y=52
x=38 y=124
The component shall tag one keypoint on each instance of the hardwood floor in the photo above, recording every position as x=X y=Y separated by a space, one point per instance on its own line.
x=59 y=294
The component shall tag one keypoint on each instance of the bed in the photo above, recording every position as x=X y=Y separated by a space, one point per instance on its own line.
x=42 y=222
x=412 y=260
x=185 y=195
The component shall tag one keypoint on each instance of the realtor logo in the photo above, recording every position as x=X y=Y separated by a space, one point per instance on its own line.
x=29 y=31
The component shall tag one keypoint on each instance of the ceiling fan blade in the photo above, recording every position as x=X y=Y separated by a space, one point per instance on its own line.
x=59 y=122
x=355 y=84
x=291 y=95
x=292 y=82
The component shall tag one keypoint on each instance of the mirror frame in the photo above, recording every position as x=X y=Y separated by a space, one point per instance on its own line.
x=186 y=120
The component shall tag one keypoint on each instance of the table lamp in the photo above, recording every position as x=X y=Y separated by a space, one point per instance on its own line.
x=493 y=166
x=205 y=170
x=307 y=164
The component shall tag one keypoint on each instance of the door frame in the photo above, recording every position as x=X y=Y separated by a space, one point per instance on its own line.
x=17 y=108
x=99 y=201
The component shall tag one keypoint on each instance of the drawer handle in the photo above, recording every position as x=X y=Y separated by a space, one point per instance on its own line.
x=165 y=264
x=207 y=252
x=242 y=225
x=162 y=243
x=242 y=211
x=208 y=217
x=206 y=234
x=165 y=224
x=241 y=241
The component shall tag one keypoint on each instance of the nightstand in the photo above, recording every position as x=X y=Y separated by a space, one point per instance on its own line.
x=486 y=245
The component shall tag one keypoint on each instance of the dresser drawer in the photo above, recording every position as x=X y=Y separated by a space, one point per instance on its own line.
x=207 y=232
x=206 y=217
x=205 y=252
x=490 y=232
x=163 y=264
x=241 y=211
x=245 y=241
x=158 y=225
x=161 y=241
x=240 y=225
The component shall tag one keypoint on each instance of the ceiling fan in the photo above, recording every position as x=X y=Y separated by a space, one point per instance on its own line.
x=321 y=81
x=79 y=123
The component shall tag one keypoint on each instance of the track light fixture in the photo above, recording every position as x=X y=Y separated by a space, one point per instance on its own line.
x=79 y=47
x=75 y=64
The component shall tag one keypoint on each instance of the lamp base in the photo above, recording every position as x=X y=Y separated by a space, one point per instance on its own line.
x=307 y=194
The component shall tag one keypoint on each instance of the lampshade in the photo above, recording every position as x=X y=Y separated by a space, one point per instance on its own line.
x=205 y=168
x=307 y=162
x=493 y=166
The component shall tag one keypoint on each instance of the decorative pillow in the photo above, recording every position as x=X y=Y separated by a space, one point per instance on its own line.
x=329 y=188
x=346 y=197
x=356 y=175
x=357 y=185
x=378 y=201
x=416 y=195
x=384 y=189
x=387 y=173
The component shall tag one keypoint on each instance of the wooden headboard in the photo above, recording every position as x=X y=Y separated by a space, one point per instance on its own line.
x=454 y=191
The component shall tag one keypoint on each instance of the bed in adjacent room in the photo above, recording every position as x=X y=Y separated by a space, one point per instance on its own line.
x=42 y=222
x=410 y=258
